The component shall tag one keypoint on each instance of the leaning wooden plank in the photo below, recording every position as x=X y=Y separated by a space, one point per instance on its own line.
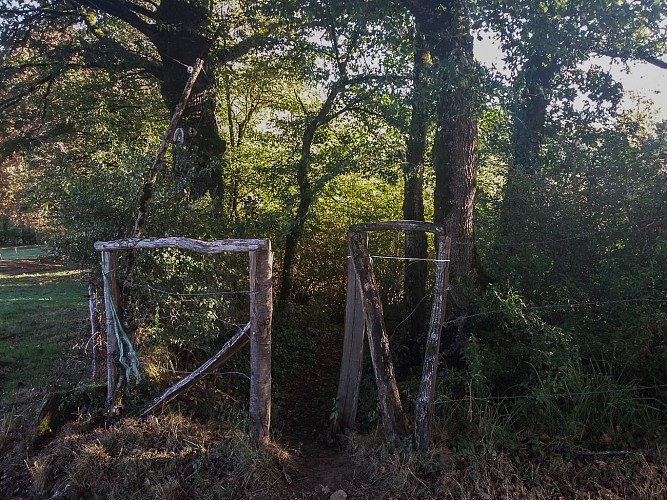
x=393 y=419
x=399 y=225
x=424 y=403
x=353 y=356
x=151 y=178
x=261 y=305
x=230 y=348
x=185 y=244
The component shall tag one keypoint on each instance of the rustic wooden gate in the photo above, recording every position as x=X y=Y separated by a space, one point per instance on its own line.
x=257 y=331
x=364 y=313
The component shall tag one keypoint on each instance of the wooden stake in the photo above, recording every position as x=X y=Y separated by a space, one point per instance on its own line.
x=261 y=308
x=393 y=419
x=353 y=355
x=425 y=398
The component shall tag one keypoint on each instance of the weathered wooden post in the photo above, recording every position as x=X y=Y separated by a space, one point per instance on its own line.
x=393 y=419
x=111 y=301
x=353 y=355
x=424 y=403
x=261 y=308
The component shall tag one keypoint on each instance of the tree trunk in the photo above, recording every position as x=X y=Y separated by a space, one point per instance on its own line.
x=413 y=199
x=178 y=49
x=297 y=226
x=181 y=33
x=447 y=31
x=530 y=115
x=516 y=219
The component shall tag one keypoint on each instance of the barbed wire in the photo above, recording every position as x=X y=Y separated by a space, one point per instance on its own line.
x=398 y=257
x=555 y=395
x=217 y=293
x=577 y=236
x=564 y=305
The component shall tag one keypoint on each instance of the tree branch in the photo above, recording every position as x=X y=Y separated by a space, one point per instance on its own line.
x=121 y=11
x=138 y=9
x=639 y=56
x=653 y=60
x=15 y=99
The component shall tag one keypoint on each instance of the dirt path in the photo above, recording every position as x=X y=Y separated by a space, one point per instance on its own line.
x=321 y=467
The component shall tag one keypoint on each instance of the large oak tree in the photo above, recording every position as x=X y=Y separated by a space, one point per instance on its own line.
x=42 y=40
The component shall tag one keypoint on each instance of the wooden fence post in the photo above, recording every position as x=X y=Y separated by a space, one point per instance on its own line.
x=111 y=301
x=261 y=308
x=424 y=403
x=393 y=419
x=353 y=355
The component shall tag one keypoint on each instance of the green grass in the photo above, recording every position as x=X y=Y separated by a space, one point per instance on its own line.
x=38 y=314
x=26 y=252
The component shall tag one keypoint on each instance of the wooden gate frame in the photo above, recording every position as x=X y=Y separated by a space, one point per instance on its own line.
x=363 y=312
x=258 y=330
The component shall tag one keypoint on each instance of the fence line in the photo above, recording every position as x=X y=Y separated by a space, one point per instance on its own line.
x=196 y=294
x=554 y=395
x=560 y=306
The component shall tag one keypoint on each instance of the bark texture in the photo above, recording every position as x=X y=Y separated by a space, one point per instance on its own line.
x=446 y=28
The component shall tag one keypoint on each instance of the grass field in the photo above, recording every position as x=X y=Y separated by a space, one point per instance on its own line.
x=38 y=312
x=26 y=252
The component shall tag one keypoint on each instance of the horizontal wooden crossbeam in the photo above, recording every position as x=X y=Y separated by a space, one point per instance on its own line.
x=209 y=247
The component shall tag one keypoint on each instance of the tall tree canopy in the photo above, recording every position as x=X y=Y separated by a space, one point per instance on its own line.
x=42 y=40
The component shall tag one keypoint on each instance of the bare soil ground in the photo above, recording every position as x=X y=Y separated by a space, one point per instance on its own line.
x=15 y=267
x=320 y=466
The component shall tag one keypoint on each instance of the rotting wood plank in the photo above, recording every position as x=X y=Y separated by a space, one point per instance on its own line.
x=425 y=398
x=261 y=307
x=208 y=247
x=393 y=418
x=353 y=355
x=231 y=347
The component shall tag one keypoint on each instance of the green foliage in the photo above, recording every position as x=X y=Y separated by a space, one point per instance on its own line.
x=571 y=321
